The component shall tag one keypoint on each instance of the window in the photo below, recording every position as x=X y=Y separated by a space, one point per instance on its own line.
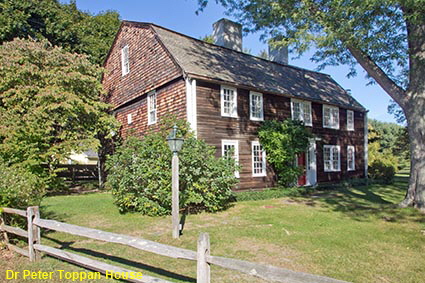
x=331 y=158
x=125 y=62
x=351 y=159
x=258 y=160
x=301 y=110
x=330 y=117
x=350 y=120
x=129 y=119
x=256 y=106
x=152 y=107
x=229 y=102
x=230 y=148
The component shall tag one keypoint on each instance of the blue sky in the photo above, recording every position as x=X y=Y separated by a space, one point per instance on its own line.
x=179 y=15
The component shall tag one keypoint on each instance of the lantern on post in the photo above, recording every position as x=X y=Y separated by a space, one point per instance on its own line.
x=175 y=145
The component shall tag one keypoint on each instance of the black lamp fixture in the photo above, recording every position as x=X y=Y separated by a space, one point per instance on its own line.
x=174 y=142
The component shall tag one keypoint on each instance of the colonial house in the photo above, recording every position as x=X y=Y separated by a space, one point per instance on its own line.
x=225 y=94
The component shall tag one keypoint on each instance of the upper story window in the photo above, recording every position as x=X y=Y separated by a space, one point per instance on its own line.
x=330 y=117
x=229 y=102
x=125 y=61
x=130 y=119
x=258 y=160
x=301 y=110
x=230 y=149
x=350 y=120
x=152 y=107
x=351 y=159
x=332 y=158
x=256 y=106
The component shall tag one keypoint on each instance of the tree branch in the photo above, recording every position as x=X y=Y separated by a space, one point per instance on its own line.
x=390 y=87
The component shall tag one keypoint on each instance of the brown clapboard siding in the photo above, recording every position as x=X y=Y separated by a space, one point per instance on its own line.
x=213 y=128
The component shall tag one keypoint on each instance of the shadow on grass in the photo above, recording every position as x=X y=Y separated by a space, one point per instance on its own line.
x=363 y=202
x=100 y=255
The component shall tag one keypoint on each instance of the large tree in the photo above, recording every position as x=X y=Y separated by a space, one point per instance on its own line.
x=62 y=24
x=386 y=37
x=49 y=104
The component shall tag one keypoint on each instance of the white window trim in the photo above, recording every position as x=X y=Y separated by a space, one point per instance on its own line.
x=350 y=127
x=234 y=113
x=251 y=94
x=129 y=119
x=125 y=60
x=331 y=147
x=264 y=168
x=150 y=94
x=302 y=111
x=235 y=143
x=354 y=158
x=336 y=127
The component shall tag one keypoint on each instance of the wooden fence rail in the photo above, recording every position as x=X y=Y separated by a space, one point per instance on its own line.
x=202 y=256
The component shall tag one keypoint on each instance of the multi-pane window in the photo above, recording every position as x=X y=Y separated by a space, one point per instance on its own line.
x=351 y=159
x=256 y=106
x=258 y=160
x=125 y=61
x=228 y=102
x=331 y=158
x=230 y=149
x=152 y=107
x=129 y=119
x=330 y=117
x=301 y=110
x=350 y=120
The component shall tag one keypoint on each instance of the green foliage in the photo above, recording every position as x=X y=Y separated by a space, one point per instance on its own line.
x=62 y=24
x=208 y=39
x=140 y=175
x=19 y=188
x=389 y=140
x=383 y=168
x=382 y=163
x=283 y=141
x=49 y=105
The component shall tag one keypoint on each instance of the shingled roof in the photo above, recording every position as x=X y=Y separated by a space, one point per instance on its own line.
x=211 y=61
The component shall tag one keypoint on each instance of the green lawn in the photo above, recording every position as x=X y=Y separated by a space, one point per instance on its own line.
x=353 y=234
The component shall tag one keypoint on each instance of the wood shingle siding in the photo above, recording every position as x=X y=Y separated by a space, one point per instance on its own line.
x=150 y=65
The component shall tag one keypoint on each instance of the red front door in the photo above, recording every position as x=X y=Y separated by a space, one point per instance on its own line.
x=302 y=180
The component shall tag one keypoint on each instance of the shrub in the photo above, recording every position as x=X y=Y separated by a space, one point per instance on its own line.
x=19 y=188
x=383 y=168
x=140 y=176
x=382 y=163
x=283 y=141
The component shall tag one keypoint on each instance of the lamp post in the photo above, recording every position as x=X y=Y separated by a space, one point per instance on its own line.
x=175 y=145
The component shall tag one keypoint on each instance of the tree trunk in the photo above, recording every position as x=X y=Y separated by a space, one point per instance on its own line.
x=415 y=115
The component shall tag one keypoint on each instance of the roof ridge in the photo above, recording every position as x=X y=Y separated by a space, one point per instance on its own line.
x=226 y=48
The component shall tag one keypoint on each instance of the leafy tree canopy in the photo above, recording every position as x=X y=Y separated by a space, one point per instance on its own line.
x=49 y=103
x=61 y=24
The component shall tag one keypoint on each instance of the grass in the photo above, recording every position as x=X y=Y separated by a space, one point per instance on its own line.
x=354 y=234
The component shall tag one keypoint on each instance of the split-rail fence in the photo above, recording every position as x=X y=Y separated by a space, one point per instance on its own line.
x=202 y=256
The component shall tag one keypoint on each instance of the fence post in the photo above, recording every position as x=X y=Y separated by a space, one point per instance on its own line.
x=203 y=273
x=33 y=232
x=2 y=221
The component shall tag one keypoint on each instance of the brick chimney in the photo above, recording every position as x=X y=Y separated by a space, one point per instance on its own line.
x=278 y=54
x=228 y=34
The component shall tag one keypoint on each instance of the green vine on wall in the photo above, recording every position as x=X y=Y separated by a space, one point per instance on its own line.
x=283 y=141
